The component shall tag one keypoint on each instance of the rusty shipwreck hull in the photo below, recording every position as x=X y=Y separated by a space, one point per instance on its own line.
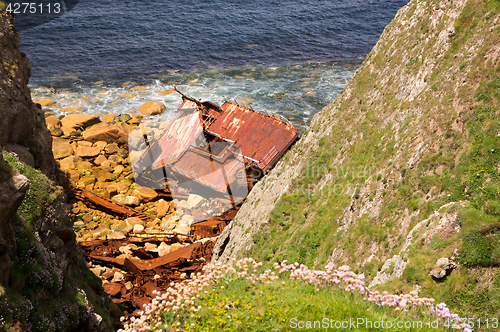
x=212 y=150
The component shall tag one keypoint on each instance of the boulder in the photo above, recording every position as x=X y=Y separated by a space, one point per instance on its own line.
x=46 y=102
x=88 y=151
x=138 y=228
x=107 y=133
x=79 y=120
x=163 y=208
x=183 y=230
x=126 y=200
x=67 y=163
x=152 y=108
x=111 y=148
x=144 y=194
x=61 y=148
x=100 y=159
x=134 y=221
x=116 y=235
x=438 y=273
x=54 y=125
x=166 y=92
x=118 y=169
x=108 y=118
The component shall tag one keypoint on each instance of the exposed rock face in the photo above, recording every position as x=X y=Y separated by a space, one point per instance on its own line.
x=47 y=239
x=152 y=108
x=21 y=122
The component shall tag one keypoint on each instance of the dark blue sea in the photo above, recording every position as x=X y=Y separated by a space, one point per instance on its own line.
x=288 y=57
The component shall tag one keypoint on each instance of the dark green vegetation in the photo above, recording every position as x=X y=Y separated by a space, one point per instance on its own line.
x=37 y=297
x=388 y=160
x=41 y=190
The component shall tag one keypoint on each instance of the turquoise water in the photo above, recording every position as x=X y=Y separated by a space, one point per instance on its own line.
x=294 y=91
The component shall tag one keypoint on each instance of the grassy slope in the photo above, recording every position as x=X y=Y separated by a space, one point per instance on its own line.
x=416 y=128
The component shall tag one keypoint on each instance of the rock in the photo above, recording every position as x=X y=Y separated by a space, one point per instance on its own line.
x=438 y=273
x=124 y=127
x=152 y=108
x=118 y=276
x=115 y=235
x=194 y=201
x=100 y=144
x=124 y=226
x=111 y=148
x=85 y=165
x=138 y=228
x=86 y=180
x=108 y=118
x=123 y=118
x=129 y=95
x=100 y=159
x=183 y=230
x=61 y=148
x=186 y=220
x=118 y=169
x=163 y=208
x=46 y=102
x=166 y=92
x=144 y=194
x=105 y=132
x=70 y=109
x=22 y=152
x=149 y=246
x=67 y=163
x=79 y=120
x=78 y=224
x=88 y=151
x=140 y=88
x=443 y=263
x=164 y=251
x=175 y=246
x=54 y=125
x=135 y=221
x=132 y=201
x=108 y=163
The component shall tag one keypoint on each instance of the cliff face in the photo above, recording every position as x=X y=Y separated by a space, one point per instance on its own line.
x=45 y=284
x=22 y=123
x=399 y=177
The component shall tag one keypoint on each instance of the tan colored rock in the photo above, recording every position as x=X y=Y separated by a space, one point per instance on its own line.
x=61 y=148
x=183 y=230
x=140 y=88
x=70 y=109
x=100 y=159
x=134 y=221
x=175 y=246
x=108 y=163
x=88 y=151
x=115 y=235
x=79 y=120
x=129 y=95
x=152 y=108
x=195 y=201
x=108 y=118
x=54 y=125
x=84 y=165
x=107 y=133
x=111 y=148
x=100 y=144
x=84 y=143
x=67 y=163
x=144 y=194
x=46 y=102
x=118 y=169
x=124 y=127
x=166 y=92
x=163 y=208
x=138 y=228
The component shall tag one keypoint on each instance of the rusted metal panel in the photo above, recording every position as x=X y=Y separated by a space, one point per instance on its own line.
x=260 y=137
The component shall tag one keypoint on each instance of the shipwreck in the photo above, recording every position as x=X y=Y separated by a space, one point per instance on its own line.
x=215 y=152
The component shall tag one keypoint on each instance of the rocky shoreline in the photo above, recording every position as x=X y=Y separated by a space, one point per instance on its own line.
x=93 y=153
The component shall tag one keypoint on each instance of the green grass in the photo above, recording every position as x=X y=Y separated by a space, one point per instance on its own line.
x=281 y=305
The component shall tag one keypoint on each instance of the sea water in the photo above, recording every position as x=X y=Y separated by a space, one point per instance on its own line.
x=285 y=57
